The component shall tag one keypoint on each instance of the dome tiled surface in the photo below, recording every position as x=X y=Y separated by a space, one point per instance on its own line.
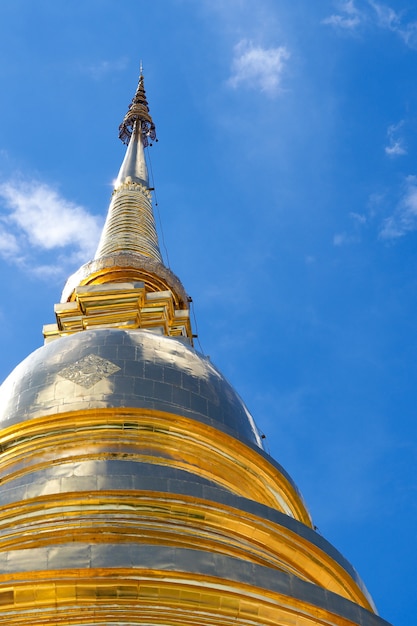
x=115 y=368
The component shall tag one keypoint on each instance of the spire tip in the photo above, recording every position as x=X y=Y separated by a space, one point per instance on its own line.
x=138 y=115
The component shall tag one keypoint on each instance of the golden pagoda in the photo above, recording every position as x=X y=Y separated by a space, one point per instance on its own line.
x=134 y=486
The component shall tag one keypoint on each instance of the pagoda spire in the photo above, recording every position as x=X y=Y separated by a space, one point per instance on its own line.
x=130 y=224
x=126 y=285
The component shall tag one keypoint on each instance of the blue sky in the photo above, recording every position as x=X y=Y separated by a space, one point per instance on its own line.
x=286 y=181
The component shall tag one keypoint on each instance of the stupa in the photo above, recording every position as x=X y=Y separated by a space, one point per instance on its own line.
x=134 y=486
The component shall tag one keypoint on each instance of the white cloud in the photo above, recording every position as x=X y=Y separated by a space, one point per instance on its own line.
x=395 y=148
x=349 y=17
x=258 y=67
x=9 y=245
x=36 y=219
x=404 y=218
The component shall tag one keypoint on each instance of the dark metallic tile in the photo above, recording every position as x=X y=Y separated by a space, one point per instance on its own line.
x=163 y=391
x=181 y=397
x=154 y=372
x=198 y=403
x=173 y=376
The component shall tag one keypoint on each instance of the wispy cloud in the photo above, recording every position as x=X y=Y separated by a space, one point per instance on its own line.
x=358 y=221
x=100 y=69
x=395 y=146
x=387 y=17
x=395 y=22
x=344 y=239
x=358 y=218
x=404 y=218
x=258 y=68
x=348 y=18
x=35 y=219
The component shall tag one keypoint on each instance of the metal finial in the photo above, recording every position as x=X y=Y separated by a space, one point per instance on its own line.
x=141 y=67
x=138 y=114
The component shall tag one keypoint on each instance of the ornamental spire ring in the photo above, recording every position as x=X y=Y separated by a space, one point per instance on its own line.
x=138 y=114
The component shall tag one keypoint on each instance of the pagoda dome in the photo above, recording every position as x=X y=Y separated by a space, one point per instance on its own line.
x=139 y=396
x=113 y=368
x=123 y=445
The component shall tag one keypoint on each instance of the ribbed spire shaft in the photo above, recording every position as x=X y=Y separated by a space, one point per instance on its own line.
x=130 y=223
